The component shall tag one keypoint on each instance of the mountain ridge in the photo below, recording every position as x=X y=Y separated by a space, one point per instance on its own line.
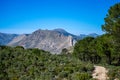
x=49 y=40
x=5 y=38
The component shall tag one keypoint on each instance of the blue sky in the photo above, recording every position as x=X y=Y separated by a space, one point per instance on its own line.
x=75 y=16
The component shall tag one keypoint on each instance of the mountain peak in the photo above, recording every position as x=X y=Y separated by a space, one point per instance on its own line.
x=59 y=30
x=49 y=40
x=93 y=35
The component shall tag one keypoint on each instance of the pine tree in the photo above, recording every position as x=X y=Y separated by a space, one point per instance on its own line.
x=112 y=27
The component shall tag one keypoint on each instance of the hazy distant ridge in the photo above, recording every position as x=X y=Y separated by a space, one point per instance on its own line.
x=6 y=38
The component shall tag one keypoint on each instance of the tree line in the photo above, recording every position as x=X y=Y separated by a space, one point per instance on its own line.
x=105 y=48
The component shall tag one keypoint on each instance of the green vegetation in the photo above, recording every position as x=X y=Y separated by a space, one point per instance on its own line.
x=33 y=64
x=98 y=50
x=114 y=72
x=112 y=27
x=104 y=49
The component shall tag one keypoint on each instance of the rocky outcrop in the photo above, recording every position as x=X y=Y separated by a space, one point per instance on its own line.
x=17 y=39
x=49 y=40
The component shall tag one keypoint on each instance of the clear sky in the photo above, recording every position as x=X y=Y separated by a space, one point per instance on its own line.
x=75 y=16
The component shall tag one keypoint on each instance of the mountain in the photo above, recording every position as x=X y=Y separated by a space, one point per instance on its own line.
x=6 y=38
x=65 y=33
x=81 y=36
x=49 y=40
x=93 y=35
x=62 y=31
x=17 y=39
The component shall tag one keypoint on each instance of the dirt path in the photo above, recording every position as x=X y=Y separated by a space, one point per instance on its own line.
x=100 y=73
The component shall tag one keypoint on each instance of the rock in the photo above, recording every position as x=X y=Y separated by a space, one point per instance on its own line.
x=48 y=40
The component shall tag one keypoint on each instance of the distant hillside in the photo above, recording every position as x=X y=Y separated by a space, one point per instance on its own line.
x=81 y=36
x=17 y=39
x=93 y=35
x=6 y=38
x=49 y=40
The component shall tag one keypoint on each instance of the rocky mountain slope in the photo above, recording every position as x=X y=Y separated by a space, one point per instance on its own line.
x=49 y=40
x=17 y=39
x=6 y=38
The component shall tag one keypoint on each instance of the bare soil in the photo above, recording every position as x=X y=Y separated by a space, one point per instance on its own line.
x=100 y=73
